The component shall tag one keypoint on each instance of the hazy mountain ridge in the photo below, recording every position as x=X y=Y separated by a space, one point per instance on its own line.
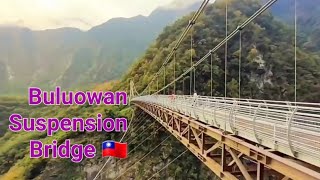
x=308 y=20
x=70 y=58
x=267 y=57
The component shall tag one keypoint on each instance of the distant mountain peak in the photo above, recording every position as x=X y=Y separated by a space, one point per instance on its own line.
x=180 y=4
x=70 y=58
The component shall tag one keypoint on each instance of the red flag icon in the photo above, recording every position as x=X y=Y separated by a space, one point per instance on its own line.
x=114 y=149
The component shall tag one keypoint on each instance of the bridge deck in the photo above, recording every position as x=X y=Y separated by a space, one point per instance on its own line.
x=290 y=128
x=227 y=155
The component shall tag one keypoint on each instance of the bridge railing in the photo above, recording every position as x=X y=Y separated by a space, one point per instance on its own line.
x=291 y=128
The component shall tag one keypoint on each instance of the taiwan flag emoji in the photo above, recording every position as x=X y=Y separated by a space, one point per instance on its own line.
x=114 y=149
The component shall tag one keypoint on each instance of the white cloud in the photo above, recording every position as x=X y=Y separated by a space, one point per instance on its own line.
x=181 y=3
x=83 y=14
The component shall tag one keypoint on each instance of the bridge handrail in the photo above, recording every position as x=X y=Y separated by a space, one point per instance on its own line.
x=291 y=128
x=301 y=105
x=257 y=100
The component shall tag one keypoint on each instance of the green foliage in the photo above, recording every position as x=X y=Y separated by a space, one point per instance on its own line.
x=267 y=57
x=15 y=162
x=267 y=72
x=75 y=58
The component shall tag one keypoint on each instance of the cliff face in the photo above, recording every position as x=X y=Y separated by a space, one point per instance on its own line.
x=267 y=67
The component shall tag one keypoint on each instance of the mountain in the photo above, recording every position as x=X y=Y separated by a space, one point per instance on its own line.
x=267 y=57
x=71 y=58
x=308 y=20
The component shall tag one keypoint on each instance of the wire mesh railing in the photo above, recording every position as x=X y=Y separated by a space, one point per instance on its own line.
x=289 y=127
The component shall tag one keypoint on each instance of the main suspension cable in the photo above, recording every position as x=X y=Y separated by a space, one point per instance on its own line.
x=134 y=138
x=168 y=164
x=153 y=133
x=142 y=157
x=104 y=165
x=181 y=38
x=137 y=126
x=140 y=143
x=138 y=116
x=231 y=35
x=224 y=41
x=142 y=116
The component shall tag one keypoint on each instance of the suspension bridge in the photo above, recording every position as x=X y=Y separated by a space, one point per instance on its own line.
x=236 y=138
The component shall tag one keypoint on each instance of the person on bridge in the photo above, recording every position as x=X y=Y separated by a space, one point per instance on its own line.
x=195 y=97
x=172 y=97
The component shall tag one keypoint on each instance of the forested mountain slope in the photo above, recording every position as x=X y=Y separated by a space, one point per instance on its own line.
x=71 y=58
x=267 y=67
x=308 y=20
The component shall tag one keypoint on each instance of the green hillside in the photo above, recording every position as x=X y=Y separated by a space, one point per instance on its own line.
x=15 y=162
x=308 y=22
x=267 y=69
x=71 y=58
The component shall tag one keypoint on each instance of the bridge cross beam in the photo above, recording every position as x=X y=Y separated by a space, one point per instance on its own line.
x=240 y=165
x=225 y=154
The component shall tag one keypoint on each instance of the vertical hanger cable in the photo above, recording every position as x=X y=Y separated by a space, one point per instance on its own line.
x=174 y=72
x=191 y=46
x=164 y=79
x=226 y=53
x=211 y=81
x=240 y=54
x=295 y=50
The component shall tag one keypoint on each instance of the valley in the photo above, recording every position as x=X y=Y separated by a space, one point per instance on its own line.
x=72 y=58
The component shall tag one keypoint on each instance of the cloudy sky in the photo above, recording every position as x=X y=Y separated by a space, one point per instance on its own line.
x=83 y=14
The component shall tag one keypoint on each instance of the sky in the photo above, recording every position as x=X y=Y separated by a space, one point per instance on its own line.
x=82 y=14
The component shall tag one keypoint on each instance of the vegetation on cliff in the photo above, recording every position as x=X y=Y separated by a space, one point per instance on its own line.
x=267 y=66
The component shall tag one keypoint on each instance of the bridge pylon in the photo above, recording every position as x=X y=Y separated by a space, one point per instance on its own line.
x=133 y=91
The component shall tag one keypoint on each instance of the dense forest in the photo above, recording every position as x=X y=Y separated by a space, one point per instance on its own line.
x=267 y=57
x=267 y=72
x=16 y=164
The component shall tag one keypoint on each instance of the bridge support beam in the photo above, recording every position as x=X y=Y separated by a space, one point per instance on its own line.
x=238 y=159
